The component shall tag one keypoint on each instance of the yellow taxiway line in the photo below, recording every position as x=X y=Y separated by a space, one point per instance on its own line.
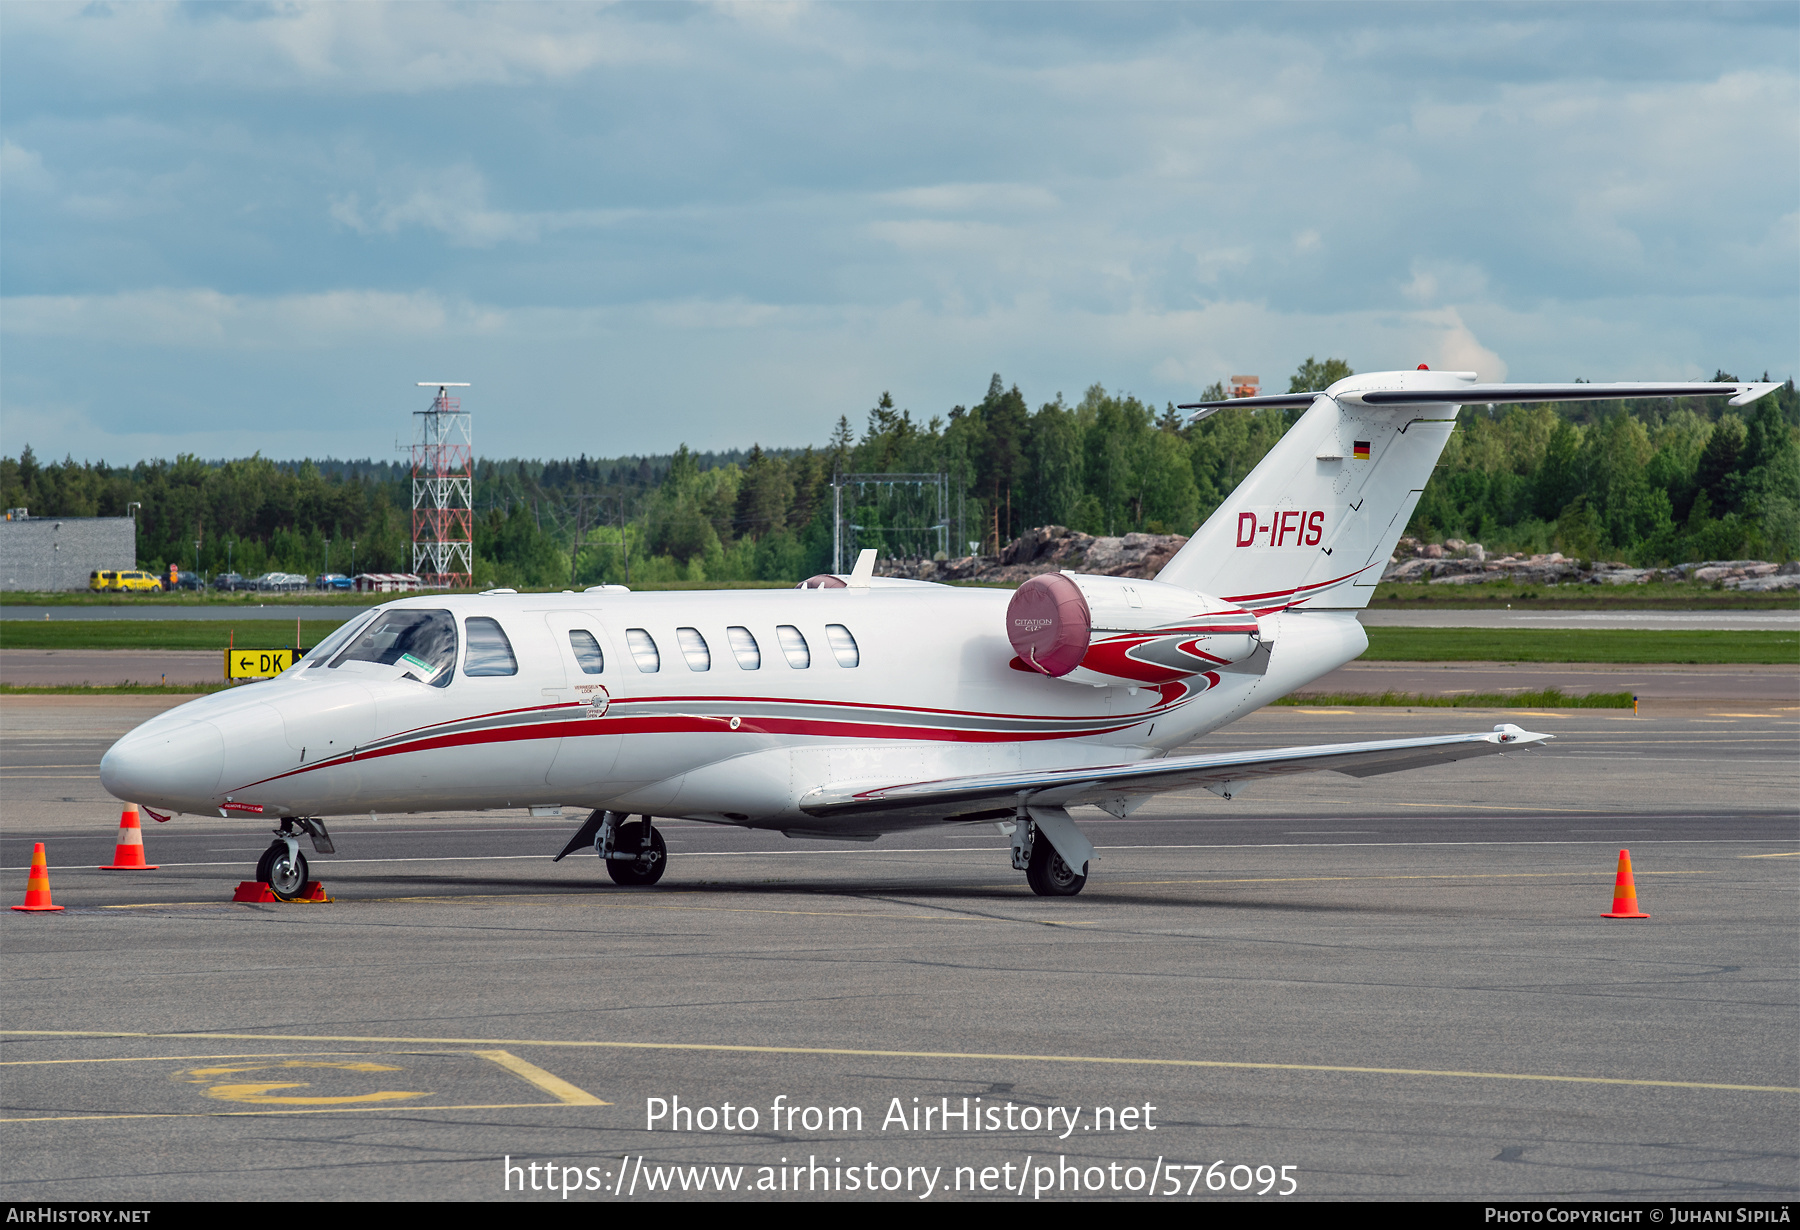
x=866 y=1053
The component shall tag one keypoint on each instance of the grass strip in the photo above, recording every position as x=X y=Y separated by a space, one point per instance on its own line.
x=1499 y=595
x=161 y=633
x=1544 y=698
x=1703 y=646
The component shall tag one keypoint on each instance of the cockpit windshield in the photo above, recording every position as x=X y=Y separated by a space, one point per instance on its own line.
x=422 y=644
x=320 y=654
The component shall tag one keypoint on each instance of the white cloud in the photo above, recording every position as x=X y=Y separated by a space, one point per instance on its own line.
x=971 y=198
x=364 y=48
x=454 y=203
x=1438 y=281
x=22 y=170
x=201 y=318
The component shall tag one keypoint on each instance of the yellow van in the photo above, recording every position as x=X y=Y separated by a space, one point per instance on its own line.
x=103 y=580
x=138 y=582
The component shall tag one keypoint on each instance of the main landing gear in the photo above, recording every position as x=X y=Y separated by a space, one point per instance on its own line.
x=634 y=852
x=282 y=867
x=1044 y=868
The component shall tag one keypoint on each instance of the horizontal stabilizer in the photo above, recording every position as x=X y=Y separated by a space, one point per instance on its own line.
x=982 y=794
x=1742 y=393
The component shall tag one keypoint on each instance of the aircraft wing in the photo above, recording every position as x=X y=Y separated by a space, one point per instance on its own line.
x=996 y=795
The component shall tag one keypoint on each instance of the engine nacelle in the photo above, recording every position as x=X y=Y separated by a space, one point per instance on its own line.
x=1116 y=630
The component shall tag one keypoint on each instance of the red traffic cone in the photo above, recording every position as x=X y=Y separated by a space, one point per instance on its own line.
x=37 y=888
x=128 y=854
x=1625 y=891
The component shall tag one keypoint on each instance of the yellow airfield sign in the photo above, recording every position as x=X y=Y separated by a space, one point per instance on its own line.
x=256 y=663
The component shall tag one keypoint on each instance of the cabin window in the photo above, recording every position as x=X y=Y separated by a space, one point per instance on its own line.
x=843 y=645
x=794 y=645
x=693 y=648
x=643 y=650
x=421 y=643
x=744 y=646
x=488 y=652
x=587 y=651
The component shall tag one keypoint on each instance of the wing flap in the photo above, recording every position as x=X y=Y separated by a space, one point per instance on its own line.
x=983 y=793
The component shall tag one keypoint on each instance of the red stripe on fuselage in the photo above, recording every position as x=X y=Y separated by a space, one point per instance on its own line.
x=678 y=723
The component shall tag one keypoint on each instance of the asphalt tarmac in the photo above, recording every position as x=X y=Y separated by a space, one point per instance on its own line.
x=1392 y=987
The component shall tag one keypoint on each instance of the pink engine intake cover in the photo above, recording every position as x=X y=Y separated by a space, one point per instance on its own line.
x=1048 y=623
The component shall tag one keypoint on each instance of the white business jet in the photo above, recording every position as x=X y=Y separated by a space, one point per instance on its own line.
x=853 y=705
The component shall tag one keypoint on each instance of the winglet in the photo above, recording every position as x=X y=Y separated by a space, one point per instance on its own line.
x=865 y=568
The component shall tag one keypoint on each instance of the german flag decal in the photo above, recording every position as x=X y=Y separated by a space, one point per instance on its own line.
x=1360 y=450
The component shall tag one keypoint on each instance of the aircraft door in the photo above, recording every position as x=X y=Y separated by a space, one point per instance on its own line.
x=588 y=752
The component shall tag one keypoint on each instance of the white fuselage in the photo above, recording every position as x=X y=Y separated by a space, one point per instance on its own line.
x=934 y=692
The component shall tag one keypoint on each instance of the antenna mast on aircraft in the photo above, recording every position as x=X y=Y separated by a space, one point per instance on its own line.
x=443 y=472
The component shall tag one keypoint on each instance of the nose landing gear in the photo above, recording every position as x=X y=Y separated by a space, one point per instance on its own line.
x=282 y=867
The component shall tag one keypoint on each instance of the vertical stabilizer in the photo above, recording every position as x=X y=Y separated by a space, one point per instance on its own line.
x=1313 y=524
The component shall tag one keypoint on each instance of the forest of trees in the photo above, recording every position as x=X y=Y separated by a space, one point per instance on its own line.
x=1649 y=482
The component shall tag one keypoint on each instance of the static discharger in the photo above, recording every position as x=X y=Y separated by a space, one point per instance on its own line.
x=1625 y=903
x=128 y=854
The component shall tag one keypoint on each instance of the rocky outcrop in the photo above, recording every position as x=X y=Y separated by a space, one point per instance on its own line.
x=1048 y=548
x=1471 y=566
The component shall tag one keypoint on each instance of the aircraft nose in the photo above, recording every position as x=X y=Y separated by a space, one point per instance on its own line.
x=174 y=764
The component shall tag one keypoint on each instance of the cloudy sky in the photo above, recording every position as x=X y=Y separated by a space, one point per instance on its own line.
x=236 y=227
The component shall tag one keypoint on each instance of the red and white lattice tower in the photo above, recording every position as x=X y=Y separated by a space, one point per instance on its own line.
x=443 y=473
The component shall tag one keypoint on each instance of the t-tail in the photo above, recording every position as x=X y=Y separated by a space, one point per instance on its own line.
x=1314 y=523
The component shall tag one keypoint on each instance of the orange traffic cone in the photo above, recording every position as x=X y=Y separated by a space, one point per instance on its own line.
x=1625 y=891
x=37 y=888
x=128 y=854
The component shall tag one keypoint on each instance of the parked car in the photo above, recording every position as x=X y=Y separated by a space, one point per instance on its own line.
x=181 y=578
x=284 y=582
x=103 y=579
x=230 y=581
x=334 y=580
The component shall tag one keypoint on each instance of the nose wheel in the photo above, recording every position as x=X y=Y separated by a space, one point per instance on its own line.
x=283 y=868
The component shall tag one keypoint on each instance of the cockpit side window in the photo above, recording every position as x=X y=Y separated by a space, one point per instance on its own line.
x=488 y=651
x=423 y=643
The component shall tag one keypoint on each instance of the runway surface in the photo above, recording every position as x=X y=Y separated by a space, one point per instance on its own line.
x=1399 y=986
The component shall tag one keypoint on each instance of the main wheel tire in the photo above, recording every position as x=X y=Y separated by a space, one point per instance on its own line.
x=648 y=867
x=1048 y=875
x=285 y=876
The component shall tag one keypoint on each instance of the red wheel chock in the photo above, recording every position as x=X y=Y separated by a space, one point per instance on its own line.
x=258 y=892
